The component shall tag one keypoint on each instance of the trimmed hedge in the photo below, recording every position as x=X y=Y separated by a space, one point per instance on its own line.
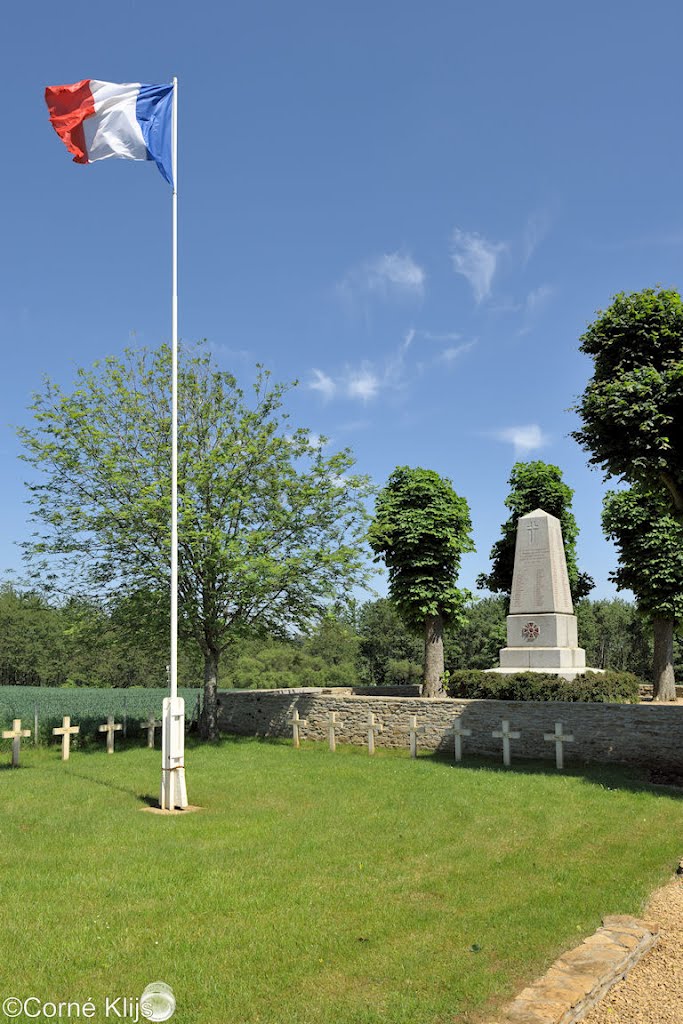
x=592 y=687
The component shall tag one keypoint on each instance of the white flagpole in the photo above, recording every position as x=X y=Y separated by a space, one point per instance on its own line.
x=174 y=409
x=173 y=789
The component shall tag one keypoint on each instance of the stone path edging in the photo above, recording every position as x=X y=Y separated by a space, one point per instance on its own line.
x=579 y=979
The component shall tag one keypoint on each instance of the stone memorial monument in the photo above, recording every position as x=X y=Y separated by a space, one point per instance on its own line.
x=541 y=626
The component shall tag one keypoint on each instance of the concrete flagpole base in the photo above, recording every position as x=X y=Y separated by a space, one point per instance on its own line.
x=173 y=793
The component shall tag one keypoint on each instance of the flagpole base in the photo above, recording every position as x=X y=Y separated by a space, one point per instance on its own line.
x=173 y=795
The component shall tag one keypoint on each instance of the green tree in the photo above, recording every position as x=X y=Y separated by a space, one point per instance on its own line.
x=615 y=636
x=649 y=538
x=535 y=485
x=270 y=527
x=385 y=641
x=632 y=407
x=632 y=416
x=421 y=529
x=480 y=636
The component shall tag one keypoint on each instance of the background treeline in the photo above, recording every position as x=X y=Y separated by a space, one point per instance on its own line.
x=80 y=643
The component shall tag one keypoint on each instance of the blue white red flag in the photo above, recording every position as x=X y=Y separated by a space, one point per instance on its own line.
x=97 y=120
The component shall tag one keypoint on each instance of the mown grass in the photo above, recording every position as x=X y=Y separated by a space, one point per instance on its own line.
x=314 y=887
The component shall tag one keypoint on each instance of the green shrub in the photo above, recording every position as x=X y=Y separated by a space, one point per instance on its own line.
x=595 y=687
x=402 y=672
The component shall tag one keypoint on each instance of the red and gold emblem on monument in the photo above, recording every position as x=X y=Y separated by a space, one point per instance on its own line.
x=530 y=631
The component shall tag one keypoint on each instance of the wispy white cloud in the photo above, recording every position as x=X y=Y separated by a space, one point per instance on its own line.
x=443 y=337
x=368 y=380
x=363 y=383
x=323 y=384
x=475 y=258
x=534 y=304
x=535 y=230
x=223 y=351
x=453 y=352
x=391 y=275
x=538 y=298
x=524 y=439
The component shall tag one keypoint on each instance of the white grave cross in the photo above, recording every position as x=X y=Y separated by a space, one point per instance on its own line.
x=296 y=724
x=66 y=732
x=373 y=727
x=333 y=724
x=414 y=731
x=15 y=734
x=110 y=728
x=505 y=734
x=458 y=733
x=150 y=725
x=559 y=737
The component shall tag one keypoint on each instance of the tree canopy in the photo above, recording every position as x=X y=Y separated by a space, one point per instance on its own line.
x=535 y=485
x=632 y=408
x=632 y=427
x=421 y=530
x=270 y=527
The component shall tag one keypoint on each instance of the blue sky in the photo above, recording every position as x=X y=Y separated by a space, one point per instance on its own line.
x=413 y=210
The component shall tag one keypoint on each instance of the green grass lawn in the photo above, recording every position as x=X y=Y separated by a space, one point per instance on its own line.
x=314 y=887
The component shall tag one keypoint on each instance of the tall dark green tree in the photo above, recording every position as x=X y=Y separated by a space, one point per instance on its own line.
x=535 y=485
x=632 y=416
x=270 y=527
x=421 y=530
x=632 y=407
x=649 y=538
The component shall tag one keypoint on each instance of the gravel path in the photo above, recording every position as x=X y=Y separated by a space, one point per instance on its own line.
x=652 y=993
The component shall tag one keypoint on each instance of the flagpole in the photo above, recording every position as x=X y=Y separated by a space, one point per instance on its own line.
x=174 y=408
x=173 y=787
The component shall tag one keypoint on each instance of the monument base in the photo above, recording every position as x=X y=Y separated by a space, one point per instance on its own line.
x=543 y=658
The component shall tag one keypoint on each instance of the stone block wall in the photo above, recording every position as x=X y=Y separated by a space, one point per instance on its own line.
x=641 y=734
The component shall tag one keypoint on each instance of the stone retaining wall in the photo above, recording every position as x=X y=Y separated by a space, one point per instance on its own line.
x=642 y=734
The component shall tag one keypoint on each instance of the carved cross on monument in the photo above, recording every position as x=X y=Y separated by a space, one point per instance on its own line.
x=458 y=733
x=559 y=737
x=66 y=732
x=150 y=725
x=333 y=724
x=505 y=734
x=110 y=728
x=16 y=734
x=373 y=727
x=414 y=730
x=532 y=527
x=297 y=724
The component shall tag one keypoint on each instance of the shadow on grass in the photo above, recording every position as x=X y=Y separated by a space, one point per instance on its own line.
x=603 y=775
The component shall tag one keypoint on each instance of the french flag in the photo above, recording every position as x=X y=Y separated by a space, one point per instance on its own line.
x=97 y=120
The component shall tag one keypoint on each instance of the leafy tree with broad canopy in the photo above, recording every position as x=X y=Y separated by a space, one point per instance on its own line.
x=535 y=485
x=421 y=530
x=270 y=528
x=632 y=409
x=649 y=538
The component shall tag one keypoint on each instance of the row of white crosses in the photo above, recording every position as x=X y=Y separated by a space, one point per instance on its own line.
x=67 y=730
x=558 y=737
x=333 y=724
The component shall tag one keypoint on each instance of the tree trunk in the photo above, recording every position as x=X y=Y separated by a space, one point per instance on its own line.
x=208 y=722
x=664 y=684
x=433 y=660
